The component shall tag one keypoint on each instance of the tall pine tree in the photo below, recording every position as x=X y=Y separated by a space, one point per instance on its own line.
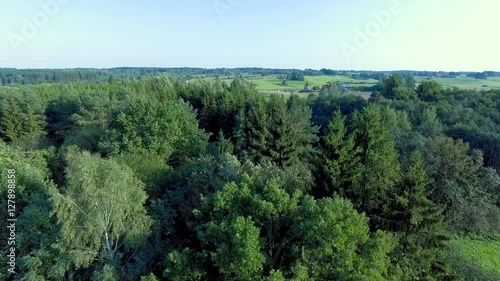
x=340 y=157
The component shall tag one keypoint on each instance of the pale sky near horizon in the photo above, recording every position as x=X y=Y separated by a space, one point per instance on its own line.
x=418 y=35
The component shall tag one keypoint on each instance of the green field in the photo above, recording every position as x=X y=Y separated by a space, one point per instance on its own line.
x=272 y=85
x=486 y=253
x=465 y=82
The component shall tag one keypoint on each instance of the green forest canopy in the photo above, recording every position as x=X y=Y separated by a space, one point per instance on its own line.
x=159 y=179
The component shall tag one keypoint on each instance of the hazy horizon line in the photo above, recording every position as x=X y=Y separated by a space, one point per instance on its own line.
x=239 y=67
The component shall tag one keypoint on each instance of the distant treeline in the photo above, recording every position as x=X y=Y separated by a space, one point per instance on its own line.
x=14 y=77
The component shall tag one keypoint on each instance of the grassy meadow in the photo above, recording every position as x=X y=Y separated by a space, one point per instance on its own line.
x=272 y=85
x=484 y=252
x=465 y=83
x=476 y=260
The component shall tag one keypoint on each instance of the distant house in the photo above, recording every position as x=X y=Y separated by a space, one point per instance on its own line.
x=344 y=87
x=306 y=90
x=326 y=86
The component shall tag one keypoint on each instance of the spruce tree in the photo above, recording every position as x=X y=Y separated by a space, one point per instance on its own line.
x=282 y=140
x=12 y=124
x=380 y=168
x=251 y=131
x=340 y=157
x=419 y=224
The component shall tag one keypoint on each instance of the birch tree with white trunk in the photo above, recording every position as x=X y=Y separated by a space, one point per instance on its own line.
x=101 y=211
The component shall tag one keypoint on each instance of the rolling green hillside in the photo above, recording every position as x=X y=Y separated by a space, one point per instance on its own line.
x=466 y=83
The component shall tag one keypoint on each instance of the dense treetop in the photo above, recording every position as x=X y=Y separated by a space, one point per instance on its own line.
x=159 y=179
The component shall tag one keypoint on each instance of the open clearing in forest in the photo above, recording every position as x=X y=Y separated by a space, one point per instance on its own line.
x=271 y=84
x=484 y=252
x=466 y=83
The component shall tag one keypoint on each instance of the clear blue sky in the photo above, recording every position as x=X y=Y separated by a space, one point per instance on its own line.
x=422 y=34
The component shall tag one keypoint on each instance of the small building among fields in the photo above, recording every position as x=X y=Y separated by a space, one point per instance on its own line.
x=306 y=90
x=344 y=87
